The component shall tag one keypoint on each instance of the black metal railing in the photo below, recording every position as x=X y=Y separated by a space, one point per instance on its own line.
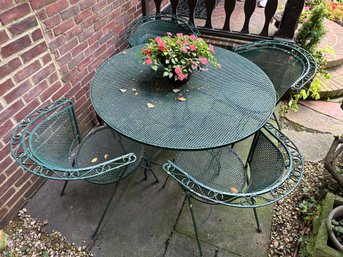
x=286 y=27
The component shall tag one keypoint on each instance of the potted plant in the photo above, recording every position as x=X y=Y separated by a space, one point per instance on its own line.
x=179 y=55
x=335 y=227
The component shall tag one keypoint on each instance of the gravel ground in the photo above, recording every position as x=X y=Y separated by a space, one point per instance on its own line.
x=292 y=217
x=27 y=238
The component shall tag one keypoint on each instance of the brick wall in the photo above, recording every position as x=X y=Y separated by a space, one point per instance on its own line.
x=50 y=49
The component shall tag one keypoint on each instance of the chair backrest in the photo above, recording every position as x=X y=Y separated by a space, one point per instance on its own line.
x=275 y=169
x=287 y=65
x=148 y=27
x=42 y=143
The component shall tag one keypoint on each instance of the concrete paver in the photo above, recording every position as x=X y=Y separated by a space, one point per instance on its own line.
x=229 y=228
x=330 y=109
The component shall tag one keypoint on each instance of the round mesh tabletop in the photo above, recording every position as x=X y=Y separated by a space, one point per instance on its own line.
x=222 y=106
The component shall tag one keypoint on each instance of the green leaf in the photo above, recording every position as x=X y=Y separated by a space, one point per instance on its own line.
x=154 y=67
x=167 y=61
x=327 y=76
x=166 y=74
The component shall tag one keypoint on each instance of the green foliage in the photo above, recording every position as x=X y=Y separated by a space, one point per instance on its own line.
x=308 y=208
x=337 y=228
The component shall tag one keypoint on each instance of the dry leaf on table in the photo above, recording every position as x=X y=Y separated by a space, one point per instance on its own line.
x=233 y=190
x=94 y=160
x=123 y=90
x=106 y=156
x=181 y=98
x=150 y=105
x=176 y=90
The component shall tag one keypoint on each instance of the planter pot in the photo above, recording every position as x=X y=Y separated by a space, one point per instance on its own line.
x=335 y=213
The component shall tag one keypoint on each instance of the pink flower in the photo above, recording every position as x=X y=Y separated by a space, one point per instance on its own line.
x=182 y=77
x=158 y=39
x=203 y=60
x=192 y=37
x=184 y=49
x=305 y=20
x=169 y=34
x=192 y=47
x=179 y=34
x=211 y=48
x=307 y=8
x=148 y=61
x=178 y=70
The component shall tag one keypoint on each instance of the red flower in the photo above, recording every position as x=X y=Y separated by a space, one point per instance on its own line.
x=192 y=37
x=203 y=60
x=179 y=34
x=148 y=61
x=192 y=47
x=211 y=48
x=178 y=70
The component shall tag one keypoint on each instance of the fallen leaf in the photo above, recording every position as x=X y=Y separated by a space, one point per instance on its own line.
x=233 y=190
x=150 y=105
x=136 y=93
x=94 y=160
x=134 y=90
x=176 y=90
x=181 y=98
x=123 y=90
x=124 y=52
x=106 y=156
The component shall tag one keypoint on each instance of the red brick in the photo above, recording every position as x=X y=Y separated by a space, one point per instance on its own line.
x=90 y=50
x=90 y=21
x=50 y=91
x=57 y=7
x=37 y=34
x=35 y=91
x=83 y=15
x=78 y=49
x=73 y=1
x=57 y=42
x=14 y=13
x=82 y=65
x=65 y=59
x=99 y=51
x=5 y=196
x=43 y=73
x=27 y=71
x=53 y=21
x=23 y=26
x=41 y=15
x=86 y=34
x=100 y=24
x=4 y=128
x=68 y=46
x=18 y=91
x=79 y=76
x=37 y=4
x=64 y=27
x=25 y=177
x=5 y=114
x=53 y=77
x=6 y=86
x=46 y=58
x=15 y=46
x=105 y=11
x=69 y=74
x=73 y=32
x=34 y=52
x=86 y=80
x=3 y=36
x=99 y=5
x=72 y=11
x=9 y=67
x=3 y=5
x=95 y=37
x=61 y=92
x=86 y=3
x=27 y=110
x=96 y=63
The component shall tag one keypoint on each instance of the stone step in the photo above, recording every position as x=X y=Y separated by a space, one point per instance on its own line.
x=333 y=87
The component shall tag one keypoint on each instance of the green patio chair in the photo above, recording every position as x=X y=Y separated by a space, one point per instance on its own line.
x=273 y=169
x=147 y=27
x=47 y=143
x=288 y=66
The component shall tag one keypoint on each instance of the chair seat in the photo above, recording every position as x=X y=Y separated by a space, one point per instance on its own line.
x=104 y=144
x=219 y=169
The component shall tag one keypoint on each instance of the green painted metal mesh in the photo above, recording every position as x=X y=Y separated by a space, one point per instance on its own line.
x=52 y=140
x=282 y=67
x=102 y=145
x=224 y=105
x=267 y=164
x=219 y=169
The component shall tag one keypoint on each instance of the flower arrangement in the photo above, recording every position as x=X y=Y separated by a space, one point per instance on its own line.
x=180 y=55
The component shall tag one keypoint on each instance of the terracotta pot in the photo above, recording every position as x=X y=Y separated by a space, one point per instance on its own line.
x=335 y=213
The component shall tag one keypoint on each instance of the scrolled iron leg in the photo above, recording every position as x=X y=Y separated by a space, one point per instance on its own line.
x=276 y=121
x=257 y=221
x=105 y=211
x=194 y=224
x=64 y=187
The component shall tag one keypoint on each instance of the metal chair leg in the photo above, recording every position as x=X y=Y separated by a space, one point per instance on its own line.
x=194 y=224
x=277 y=121
x=64 y=187
x=257 y=221
x=165 y=182
x=105 y=211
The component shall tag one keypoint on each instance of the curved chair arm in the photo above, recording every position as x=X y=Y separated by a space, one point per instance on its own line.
x=282 y=187
x=147 y=21
x=294 y=50
x=31 y=164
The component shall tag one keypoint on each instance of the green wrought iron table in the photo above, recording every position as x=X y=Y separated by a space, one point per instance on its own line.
x=220 y=106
